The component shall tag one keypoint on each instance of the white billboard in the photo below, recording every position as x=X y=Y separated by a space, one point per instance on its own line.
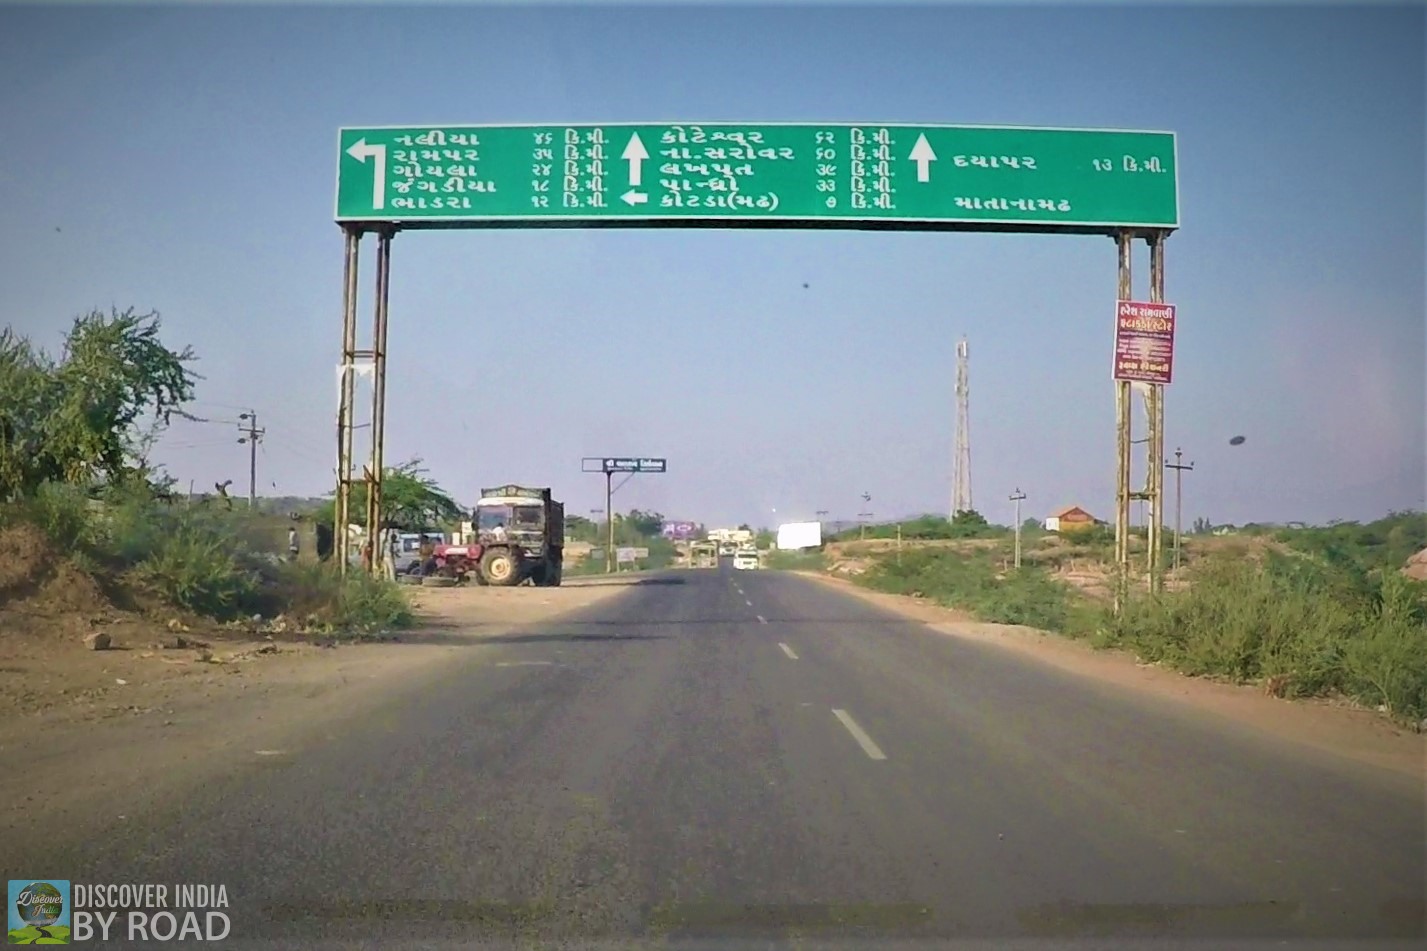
x=796 y=535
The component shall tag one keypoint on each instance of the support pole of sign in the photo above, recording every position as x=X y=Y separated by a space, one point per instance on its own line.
x=609 y=521
x=1125 y=242
x=1156 y=433
x=352 y=239
x=379 y=336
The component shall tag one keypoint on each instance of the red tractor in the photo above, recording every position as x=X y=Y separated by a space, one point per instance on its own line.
x=520 y=535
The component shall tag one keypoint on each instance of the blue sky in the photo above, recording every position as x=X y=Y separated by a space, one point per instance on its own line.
x=183 y=160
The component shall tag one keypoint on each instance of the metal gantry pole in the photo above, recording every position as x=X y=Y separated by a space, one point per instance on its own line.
x=1155 y=557
x=379 y=337
x=1124 y=240
x=352 y=238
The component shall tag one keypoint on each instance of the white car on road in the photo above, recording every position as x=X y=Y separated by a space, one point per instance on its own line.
x=745 y=559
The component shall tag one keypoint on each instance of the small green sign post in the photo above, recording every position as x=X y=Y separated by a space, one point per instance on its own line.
x=795 y=175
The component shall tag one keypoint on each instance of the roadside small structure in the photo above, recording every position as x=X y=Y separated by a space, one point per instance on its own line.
x=1072 y=518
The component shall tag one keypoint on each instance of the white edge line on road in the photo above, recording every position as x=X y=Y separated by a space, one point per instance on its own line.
x=872 y=750
x=788 y=650
x=525 y=663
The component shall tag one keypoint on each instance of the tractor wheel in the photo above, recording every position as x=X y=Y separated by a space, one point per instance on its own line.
x=501 y=567
x=553 y=571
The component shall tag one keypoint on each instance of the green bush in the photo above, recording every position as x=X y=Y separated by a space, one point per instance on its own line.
x=201 y=559
x=1315 y=626
x=971 y=581
x=198 y=569
x=357 y=602
x=927 y=528
x=64 y=513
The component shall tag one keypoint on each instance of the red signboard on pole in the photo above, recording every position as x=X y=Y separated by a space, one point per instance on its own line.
x=1144 y=341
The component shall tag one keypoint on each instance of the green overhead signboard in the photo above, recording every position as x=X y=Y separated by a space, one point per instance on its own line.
x=987 y=178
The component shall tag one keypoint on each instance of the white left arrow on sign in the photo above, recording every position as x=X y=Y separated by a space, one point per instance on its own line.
x=633 y=197
x=361 y=151
x=634 y=153
x=923 y=155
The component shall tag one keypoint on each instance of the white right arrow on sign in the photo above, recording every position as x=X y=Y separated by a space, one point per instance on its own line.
x=361 y=151
x=923 y=155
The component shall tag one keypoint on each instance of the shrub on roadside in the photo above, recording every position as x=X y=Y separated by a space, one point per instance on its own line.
x=200 y=559
x=64 y=513
x=810 y=560
x=1310 y=627
x=199 y=570
x=971 y=581
x=357 y=602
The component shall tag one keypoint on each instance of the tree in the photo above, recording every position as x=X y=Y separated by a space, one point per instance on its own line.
x=411 y=501
x=78 y=419
x=968 y=517
x=645 y=524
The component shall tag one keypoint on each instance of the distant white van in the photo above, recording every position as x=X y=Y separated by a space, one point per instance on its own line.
x=746 y=560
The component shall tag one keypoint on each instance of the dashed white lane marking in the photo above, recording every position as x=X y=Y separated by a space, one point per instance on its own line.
x=788 y=650
x=762 y=619
x=525 y=663
x=262 y=753
x=872 y=750
x=748 y=602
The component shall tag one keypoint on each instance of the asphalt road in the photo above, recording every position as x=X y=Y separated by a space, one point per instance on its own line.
x=739 y=758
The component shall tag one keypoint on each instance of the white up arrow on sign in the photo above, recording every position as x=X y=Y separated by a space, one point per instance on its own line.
x=923 y=155
x=361 y=151
x=634 y=153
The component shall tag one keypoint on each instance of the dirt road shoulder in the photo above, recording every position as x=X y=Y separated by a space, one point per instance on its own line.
x=1317 y=727
x=100 y=755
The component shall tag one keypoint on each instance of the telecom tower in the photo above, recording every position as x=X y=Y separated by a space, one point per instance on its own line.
x=961 y=467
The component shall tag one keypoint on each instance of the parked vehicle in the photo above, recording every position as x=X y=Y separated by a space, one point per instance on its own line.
x=519 y=535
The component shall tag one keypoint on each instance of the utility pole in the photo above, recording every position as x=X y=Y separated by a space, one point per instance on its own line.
x=961 y=462
x=252 y=435
x=1016 y=497
x=1179 y=470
